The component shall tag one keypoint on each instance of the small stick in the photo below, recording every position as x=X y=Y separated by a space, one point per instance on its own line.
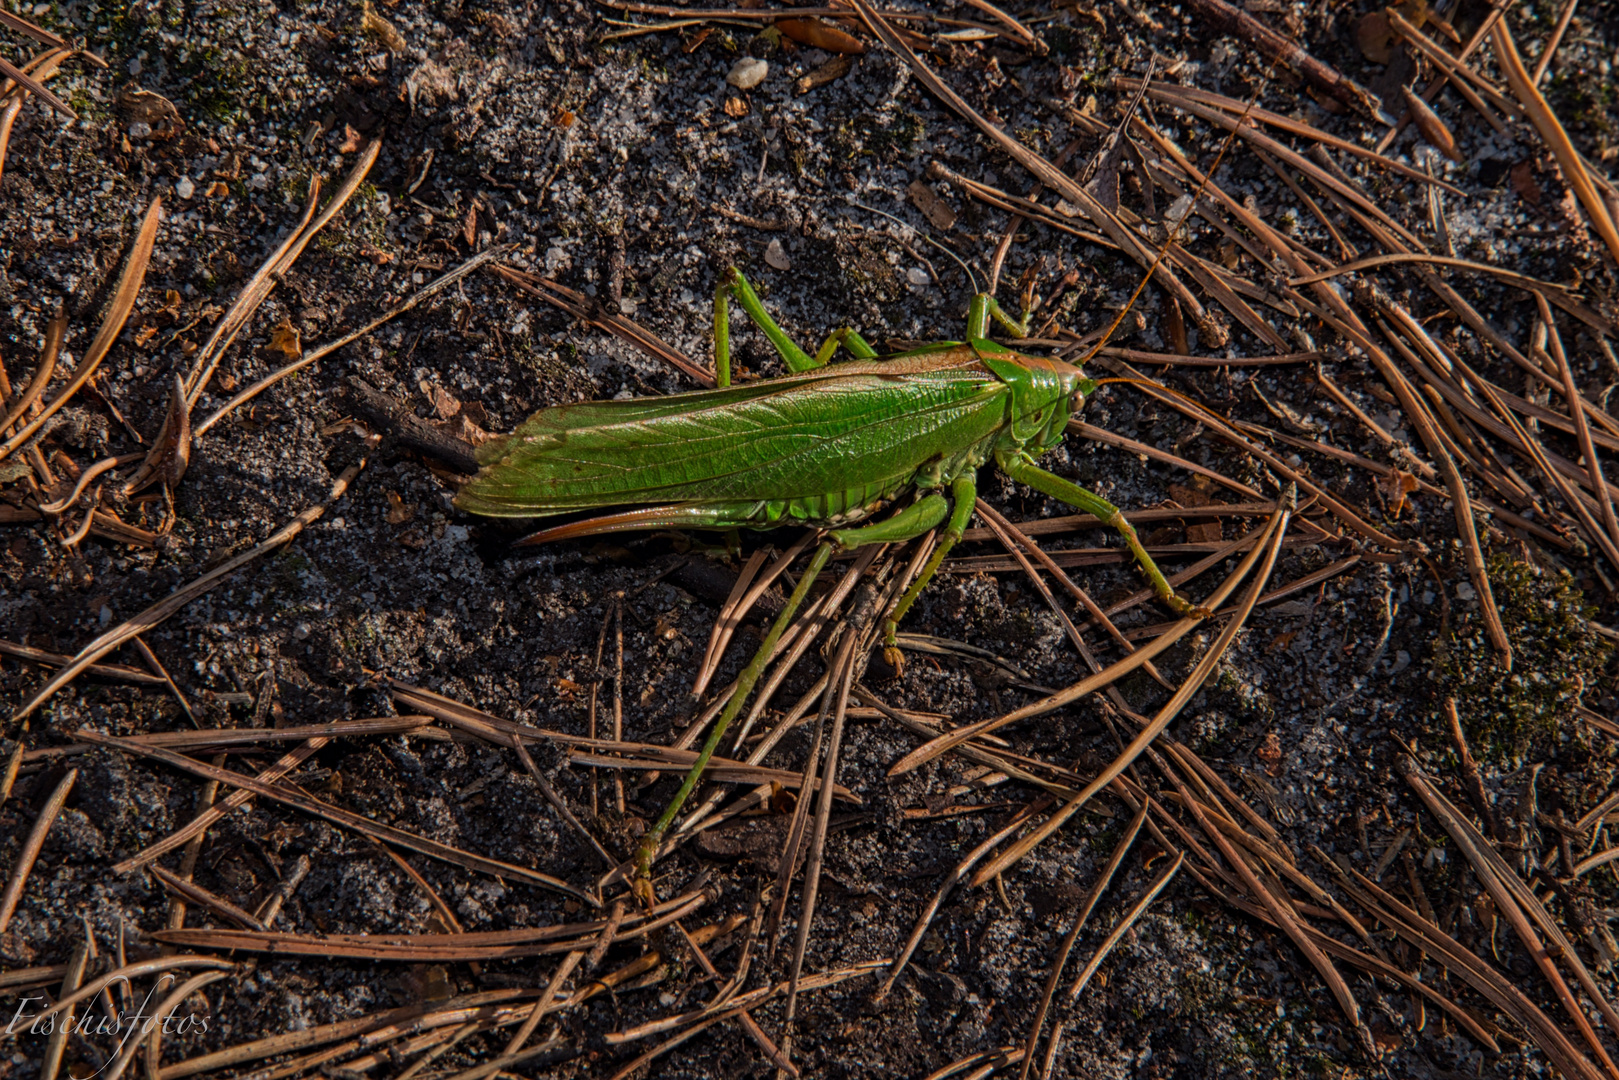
x=52 y=1062
x=618 y=695
x=31 y=848
x=196 y=894
x=1224 y=19
x=193 y=849
x=8 y=779
x=1102 y=882
x=1555 y=40
x=1125 y=923
x=159 y=670
x=595 y=696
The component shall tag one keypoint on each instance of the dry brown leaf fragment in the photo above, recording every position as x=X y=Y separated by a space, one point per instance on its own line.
x=352 y=140
x=145 y=334
x=1432 y=127
x=934 y=208
x=445 y=404
x=1375 y=37
x=217 y=190
x=1270 y=752
x=697 y=40
x=154 y=110
x=171 y=450
x=1394 y=486
x=831 y=71
x=736 y=108
x=469 y=224
x=284 y=339
x=564 y=118
x=375 y=26
x=820 y=35
x=399 y=511
x=1522 y=178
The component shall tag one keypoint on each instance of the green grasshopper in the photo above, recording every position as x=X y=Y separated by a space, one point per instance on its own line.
x=826 y=446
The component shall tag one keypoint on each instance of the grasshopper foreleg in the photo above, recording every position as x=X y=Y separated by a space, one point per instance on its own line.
x=1019 y=468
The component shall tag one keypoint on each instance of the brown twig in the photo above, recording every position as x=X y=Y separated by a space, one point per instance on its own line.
x=31 y=848
x=1551 y=130
x=315 y=807
x=178 y=599
x=123 y=302
x=1270 y=547
x=1226 y=20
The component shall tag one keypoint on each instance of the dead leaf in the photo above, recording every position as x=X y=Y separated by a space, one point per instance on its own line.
x=1522 y=179
x=284 y=339
x=153 y=110
x=564 y=118
x=378 y=258
x=444 y=403
x=144 y=334
x=469 y=224
x=697 y=40
x=399 y=511
x=1270 y=752
x=1394 y=486
x=1375 y=36
x=171 y=450
x=736 y=108
x=935 y=209
x=352 y=140
x=820 y=35
x=374 y=25
x=217 y=190
x=1199 y=532
x=831 y=71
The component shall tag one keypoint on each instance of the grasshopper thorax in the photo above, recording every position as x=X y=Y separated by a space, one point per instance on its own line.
x=1044 y=393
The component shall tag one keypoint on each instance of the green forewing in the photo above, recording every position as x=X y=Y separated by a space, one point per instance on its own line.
x=835 y=429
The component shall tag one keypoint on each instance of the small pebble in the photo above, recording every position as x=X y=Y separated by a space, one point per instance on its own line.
x=917 y=276
x=1464 y=591
x=747 y=73
x=140 y=129
x=776 y=256
x=184 y=188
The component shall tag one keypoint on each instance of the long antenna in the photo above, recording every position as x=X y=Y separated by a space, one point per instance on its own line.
x=972 y=282
x=1178 y=226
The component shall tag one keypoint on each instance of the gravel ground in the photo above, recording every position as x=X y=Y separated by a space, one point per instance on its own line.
x=632 y=171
